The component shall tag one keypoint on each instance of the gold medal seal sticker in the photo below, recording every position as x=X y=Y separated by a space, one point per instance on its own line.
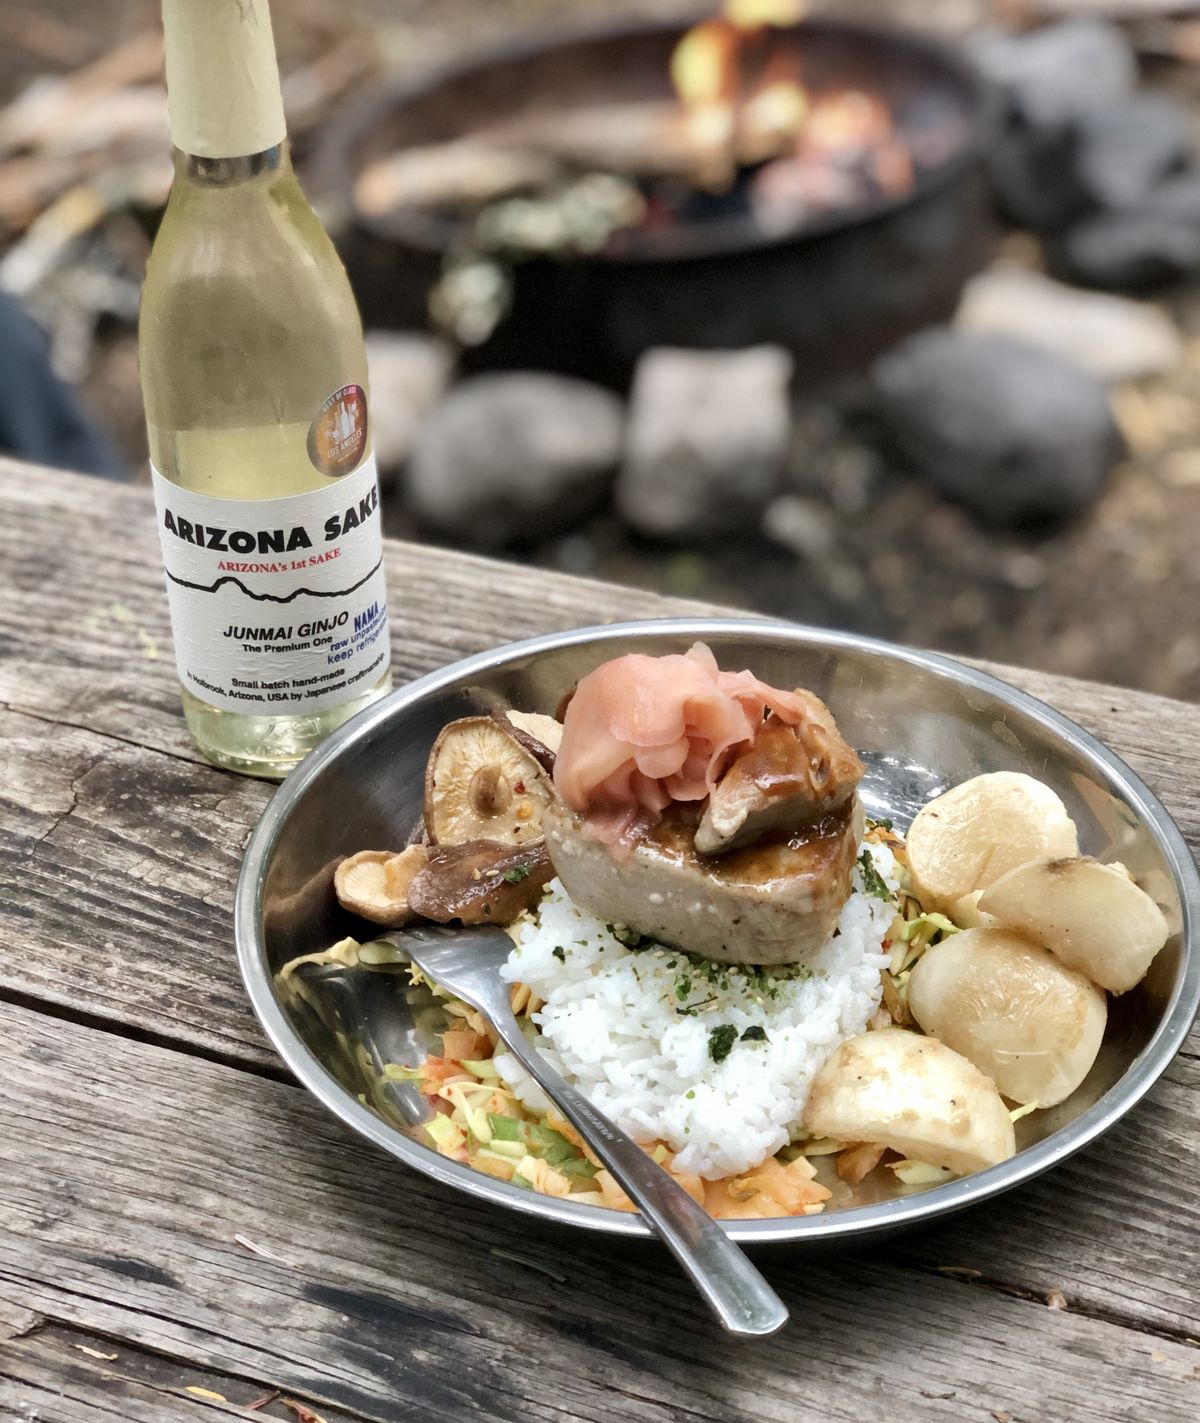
x=337 y=437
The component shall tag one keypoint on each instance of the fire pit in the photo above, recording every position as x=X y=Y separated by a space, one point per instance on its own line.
x=817 y=185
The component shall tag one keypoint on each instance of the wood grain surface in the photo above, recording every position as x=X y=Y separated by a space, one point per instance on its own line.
x=144 y=1121
x=138 y=1168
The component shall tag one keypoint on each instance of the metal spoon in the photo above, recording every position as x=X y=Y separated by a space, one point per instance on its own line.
x=467 y=963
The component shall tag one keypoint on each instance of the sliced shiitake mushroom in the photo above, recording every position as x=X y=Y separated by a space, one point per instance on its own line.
x=482 y=784
x=374 y=884
x=540 y=735
x=481 y=882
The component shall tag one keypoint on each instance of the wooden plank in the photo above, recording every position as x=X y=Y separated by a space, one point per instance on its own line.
x=132 y=1168
x=63 y=1375
x=119 y=868
x=86 y=670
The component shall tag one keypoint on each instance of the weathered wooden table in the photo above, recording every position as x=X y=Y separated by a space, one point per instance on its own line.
x=184 y=1232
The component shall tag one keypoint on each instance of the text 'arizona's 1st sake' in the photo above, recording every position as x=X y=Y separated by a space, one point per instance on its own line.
x=255 y=384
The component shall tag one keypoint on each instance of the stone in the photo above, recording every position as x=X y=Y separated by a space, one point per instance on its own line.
x=1012 y=432
x=1109 y=337
x=508 y=459
x=1124 y=150
x=409 y=373
x=1177 y=198
x=1135 y=251
x=1057 y=80
x=1055 y=75
x=708 y=441
x=1035 y=178
x=805 y=526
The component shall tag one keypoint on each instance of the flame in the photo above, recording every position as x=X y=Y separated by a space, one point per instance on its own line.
x=744 y=102
x=848 y=119
x=705 y=65
x=749 y=14
x=725 y=126
x=775 y=112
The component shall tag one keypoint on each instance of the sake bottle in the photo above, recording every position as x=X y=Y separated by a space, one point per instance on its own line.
x=255 y=385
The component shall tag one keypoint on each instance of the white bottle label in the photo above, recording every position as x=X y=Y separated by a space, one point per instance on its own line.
x=278 y=606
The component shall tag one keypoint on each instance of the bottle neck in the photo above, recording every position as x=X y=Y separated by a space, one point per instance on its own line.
x=222 y=78
x=202 y=172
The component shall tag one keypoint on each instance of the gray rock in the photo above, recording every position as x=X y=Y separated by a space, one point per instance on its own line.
x=1135 y=251
x=1177 y=198
x=805 y=526
x=509 y=458
x=708 y=441
x=1061 y=72
x=1124 y=150
x=1035 y=177
x=1110 y=337
x=1010 y=431
x=409 y=374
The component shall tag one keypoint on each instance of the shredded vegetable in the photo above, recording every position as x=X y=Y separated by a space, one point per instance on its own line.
x=476 y=1119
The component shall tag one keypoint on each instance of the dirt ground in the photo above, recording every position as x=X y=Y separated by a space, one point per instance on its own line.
x=1115 y=596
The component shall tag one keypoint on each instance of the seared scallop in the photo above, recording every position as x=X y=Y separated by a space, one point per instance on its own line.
x=914 y=1095
x=1091 y=916
x=968 y=837
x=1010 y=1007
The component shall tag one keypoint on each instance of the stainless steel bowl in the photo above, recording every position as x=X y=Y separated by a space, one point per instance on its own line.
x=921 y=722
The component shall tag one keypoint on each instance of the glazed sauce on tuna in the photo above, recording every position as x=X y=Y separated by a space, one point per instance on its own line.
x=817 y=849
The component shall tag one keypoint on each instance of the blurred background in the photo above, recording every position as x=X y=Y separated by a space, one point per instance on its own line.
x=883 y=317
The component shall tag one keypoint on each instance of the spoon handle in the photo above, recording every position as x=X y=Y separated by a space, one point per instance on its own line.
x=742 y=1300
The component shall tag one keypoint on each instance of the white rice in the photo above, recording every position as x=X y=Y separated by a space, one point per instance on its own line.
x=611 y=1025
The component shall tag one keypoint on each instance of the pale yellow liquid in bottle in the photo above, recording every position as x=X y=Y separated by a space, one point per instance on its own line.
x=248 y=325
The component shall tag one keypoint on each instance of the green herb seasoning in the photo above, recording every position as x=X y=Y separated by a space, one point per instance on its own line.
x=721 y=1041
x=755 y=1033
x=560 y=954
x=715 y=973
x=631 y=939
x=516 y=874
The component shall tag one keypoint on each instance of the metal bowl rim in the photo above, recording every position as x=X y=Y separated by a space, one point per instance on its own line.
x=858 y=1221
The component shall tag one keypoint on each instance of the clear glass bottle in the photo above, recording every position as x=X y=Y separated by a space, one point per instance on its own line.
x=255 y=384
